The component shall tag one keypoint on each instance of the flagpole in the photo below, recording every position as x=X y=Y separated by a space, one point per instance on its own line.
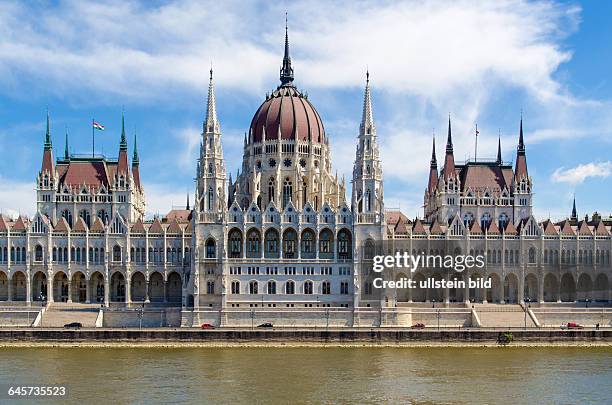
x=93 y=139
x=476 y=144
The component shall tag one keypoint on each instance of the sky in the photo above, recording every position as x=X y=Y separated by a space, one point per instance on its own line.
x=482 y=62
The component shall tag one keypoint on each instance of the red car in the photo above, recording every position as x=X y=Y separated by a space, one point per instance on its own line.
x=418 y=326
x=573 y=325
x=207 y=326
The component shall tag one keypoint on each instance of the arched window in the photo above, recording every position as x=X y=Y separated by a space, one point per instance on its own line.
x=289 y=287
x=271 y=194
x=235 y=287
x=253 y=287
x=468 y=217
x=235 y=239
x=344 y=244
x=272 y=243
x=210 y=287
x=116 y=253
x=67 y=215
x=287 y=192
x=503 y=220
x=484 y=220
x=253 y=244
x=210 y=249
x=103 y=215
x=532 y=255
x=308 y=246
x=272 y=287
x=289 y=243
x=326 y=288
x=209 y=199
x=38 y=253
x=86 y=217
x=308 y=287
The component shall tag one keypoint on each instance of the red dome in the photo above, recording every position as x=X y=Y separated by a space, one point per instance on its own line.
x=290 y=111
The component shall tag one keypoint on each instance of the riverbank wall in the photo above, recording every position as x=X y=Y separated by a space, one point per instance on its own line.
x=379 y=336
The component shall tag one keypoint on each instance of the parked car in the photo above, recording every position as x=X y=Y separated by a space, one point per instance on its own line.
x=73 y=325
x=573 y=325
x=265 y=325
x=207 y=326
x=418 y=326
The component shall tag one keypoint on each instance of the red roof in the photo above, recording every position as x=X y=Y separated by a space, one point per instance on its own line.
x=138 y=227
x=156 y=227
x=97 y=226
x=583 y=229
x=566 y=228
x=3 y=225
x=600 y=229
x=80 y=225
x=479 y=177
x=19 y=225
x=92 y=173
x=493 y=228
x=418 y=227
x=289 y=112
x=549 y=228
x=174 y=227
x=179 y=215
x=510 y=229
x=61 y=225
x=476 y=229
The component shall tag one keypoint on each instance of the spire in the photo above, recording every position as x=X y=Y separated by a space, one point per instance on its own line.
x=135 y=160
x=211 y=124
x=520 y=170
x=449 y=140
x=367 y=119
x=123 y=144
x=521 y=144
x=66 y=150
x=574 y=213
x=187 y=208
x=286 y=72
x=433 y=168
x=434 y=162
x=499 y=154
x=48 y=143
x=449 y=159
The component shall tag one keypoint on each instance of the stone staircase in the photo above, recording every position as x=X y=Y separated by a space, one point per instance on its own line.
x=58 y=314
x=502 y=315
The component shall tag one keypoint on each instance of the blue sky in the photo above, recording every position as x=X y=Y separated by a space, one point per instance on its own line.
x=483 y=62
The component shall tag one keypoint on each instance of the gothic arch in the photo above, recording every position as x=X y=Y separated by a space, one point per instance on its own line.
x=568 y=288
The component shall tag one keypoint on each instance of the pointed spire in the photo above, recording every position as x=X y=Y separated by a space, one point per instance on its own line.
x=434 y=162
x=286 y=72
x=449 y=139
x=499 y=153
x=123 y=143
x=66 y=149
x=211 y=124
x=187 y=208
x=135 y=160
x=521 y=144
x=367 y=118
x=574 y=212
x=48 y=143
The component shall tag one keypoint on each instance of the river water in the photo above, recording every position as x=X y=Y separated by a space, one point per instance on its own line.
x=315 y=375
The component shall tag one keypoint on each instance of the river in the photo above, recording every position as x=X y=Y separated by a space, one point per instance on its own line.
x=315 y=375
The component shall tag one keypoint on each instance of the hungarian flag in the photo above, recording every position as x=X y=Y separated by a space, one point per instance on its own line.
x=98 y=126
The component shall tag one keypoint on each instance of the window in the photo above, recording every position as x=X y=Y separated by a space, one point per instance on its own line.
x=210 y=287
x=271 y=194
x=117 y=253
x=86 y=217
x=253 y=287
x=532 y=255
x=326 y=288
x=503 y=220
x=271 y=287
x=210 y=249
x=287 y=192
x=38 y=255
x=344 y=287
x=235 y=287
x=67 y=215
x=308 y=287
x=367 y=287
x=289 y=287
x=235 y=243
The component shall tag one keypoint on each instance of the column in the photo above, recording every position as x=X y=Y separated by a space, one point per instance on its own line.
x=541 y=290
x=69 y=291
x=106 y=292
x=147 y=285
x=28 y=288
x=10 y=289
x=50 y=288
x=128 y=292
x=165 y=290
x=87 y=292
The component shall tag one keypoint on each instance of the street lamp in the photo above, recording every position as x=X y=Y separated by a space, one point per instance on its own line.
x=438 y=316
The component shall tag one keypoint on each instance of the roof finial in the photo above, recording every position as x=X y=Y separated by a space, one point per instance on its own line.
x=211 y=124
x=66 y=150
x=449 y=139
x=188 y=209
x=135 y=160
x=123 y=144
x=48 y=143
x=367 y=118
x=521 y=145
x=574 y=212
x=286 y=72
x=434 y=163
x=499 y=154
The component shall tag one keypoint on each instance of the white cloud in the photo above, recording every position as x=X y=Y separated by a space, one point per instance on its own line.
x=580 y=173
x=17 y=198
x=161 y=198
